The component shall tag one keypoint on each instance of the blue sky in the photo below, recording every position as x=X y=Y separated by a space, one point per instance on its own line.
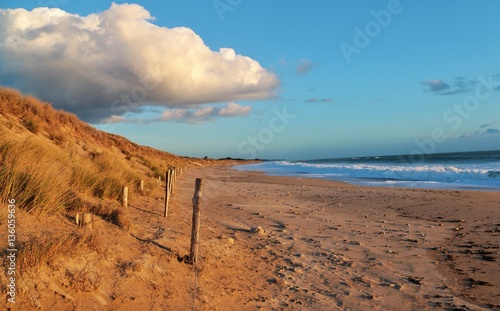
x=302 y=81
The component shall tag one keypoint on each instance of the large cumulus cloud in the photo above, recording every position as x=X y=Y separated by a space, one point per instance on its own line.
x=106 y=65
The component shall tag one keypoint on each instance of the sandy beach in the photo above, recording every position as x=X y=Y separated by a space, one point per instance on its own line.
x=333 y=246
x=282 y=243
x=377 y=122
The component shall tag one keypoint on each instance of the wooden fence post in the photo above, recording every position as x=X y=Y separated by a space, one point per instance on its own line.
x=171 y=172
x=84 y=220
x=174 y=179
x=142 y=185
x=167 y=192
x=125 y=197
x=195 y=232
x=87 y=220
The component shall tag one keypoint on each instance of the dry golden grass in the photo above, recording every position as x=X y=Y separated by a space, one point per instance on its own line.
x=46 y=248
x=34 y=175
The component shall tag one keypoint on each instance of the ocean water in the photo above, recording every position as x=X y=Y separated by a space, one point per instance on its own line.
x=463 y=170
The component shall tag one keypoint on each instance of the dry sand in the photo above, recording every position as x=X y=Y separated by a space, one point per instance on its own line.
x=333 y=246
x=283 y=243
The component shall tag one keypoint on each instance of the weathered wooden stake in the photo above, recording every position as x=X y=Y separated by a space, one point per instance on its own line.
x=174 y=179
x=87 y=220
x=195 y=232
x=171 y=180
x=125 y=197
x=167 y=192
x=84 y=220
x=142 y=185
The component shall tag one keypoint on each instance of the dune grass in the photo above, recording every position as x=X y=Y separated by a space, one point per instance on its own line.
x=33 y=175
x=43 y=177
x=47 y=157
x=47 y=248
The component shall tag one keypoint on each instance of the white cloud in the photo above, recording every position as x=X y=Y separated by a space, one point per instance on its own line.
x=304 y=66
x=233 y=109
x=204 y=114
x=114 y=119
x=115 y=62
x=460 y=85
x=436 y=85
x=319 y=100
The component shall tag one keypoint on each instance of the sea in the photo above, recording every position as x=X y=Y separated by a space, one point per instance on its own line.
x=478 y=170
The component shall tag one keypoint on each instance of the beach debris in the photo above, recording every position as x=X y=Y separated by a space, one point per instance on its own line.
x=488 y=258
x=257 y=229
x=473 y=283
x=415 y=280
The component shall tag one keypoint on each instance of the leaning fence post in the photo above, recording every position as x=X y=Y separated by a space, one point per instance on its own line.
x=167 y=192
x=125 y=197
x=195 y=232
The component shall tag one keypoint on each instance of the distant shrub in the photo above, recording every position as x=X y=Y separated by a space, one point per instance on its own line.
x=84 y=279
x=57 y=139
x=156 y=172
x=44 y=249
x=32 y=125
x=122 y=219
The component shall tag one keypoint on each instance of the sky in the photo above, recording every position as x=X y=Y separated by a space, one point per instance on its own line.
x=265 y=79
